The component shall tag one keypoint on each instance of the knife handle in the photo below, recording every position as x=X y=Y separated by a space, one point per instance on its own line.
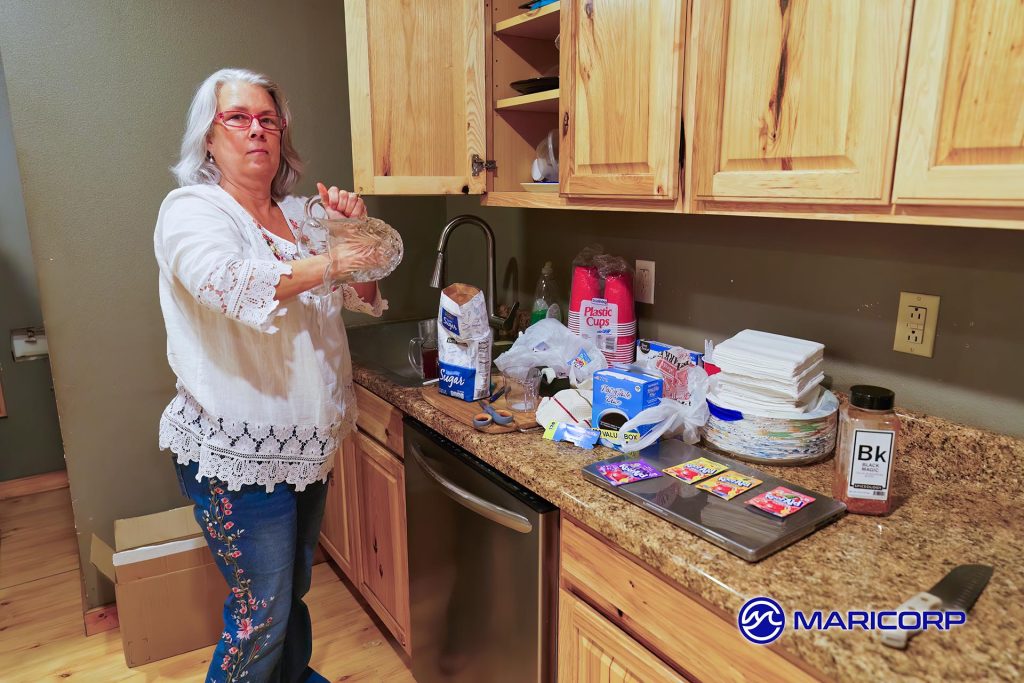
x=899 y=638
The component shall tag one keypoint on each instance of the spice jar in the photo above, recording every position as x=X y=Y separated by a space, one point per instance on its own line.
x=868 y=429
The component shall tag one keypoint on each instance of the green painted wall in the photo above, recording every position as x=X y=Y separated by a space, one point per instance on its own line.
x=98 y=92
x=29 y=435
x=835 y=282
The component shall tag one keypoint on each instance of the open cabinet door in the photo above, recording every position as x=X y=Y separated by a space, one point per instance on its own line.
x=416 y=87
x=621 y=98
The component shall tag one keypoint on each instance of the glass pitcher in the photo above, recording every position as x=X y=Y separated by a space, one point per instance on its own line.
x=381 y=244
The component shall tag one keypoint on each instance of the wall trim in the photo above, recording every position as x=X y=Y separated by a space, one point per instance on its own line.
x=39 y=483
x=101 y=619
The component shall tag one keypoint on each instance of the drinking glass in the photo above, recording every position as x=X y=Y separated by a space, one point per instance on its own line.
x=423 y=349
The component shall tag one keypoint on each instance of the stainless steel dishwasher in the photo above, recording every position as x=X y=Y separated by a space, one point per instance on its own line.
x=483 y=568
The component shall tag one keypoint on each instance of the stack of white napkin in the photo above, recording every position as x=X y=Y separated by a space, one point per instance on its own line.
x=768 y=372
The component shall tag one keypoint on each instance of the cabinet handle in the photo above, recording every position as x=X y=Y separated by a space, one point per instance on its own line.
x=565 y=124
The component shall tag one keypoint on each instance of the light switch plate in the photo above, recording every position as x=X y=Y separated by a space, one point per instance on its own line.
x=916 y=321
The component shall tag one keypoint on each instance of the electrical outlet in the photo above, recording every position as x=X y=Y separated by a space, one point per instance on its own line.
x=643 y=282
x=916 y=320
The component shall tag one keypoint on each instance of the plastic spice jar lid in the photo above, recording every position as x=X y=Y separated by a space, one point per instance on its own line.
x=872 y=398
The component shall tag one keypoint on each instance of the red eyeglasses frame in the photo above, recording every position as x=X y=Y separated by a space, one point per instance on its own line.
x=220 y=117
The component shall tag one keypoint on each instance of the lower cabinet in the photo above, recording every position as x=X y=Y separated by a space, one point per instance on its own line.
x=363 y=528
x=617 y=613
x=340 y=529
x=593 y=650
x=384 y=564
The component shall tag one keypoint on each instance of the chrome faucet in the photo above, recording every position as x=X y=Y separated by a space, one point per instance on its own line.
x=437 y=279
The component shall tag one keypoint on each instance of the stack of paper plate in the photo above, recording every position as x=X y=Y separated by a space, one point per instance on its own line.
x=774 y=437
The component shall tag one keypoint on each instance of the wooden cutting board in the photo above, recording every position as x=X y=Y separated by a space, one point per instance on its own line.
x=464 y=412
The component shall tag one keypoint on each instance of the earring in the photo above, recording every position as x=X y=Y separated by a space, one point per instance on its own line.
x=209 y=157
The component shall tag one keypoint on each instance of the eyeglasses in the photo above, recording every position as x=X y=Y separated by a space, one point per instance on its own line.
x=241 y=119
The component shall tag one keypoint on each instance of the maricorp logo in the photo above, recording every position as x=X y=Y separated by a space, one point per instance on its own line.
x=761 y=620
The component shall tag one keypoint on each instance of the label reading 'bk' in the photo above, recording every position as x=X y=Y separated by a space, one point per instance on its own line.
x=870 y=464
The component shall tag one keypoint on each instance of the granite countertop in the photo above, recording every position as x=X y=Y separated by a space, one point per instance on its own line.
x=959 y=492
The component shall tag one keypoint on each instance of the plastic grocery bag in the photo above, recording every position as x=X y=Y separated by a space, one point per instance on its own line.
x=670 y=418
x=549 y=343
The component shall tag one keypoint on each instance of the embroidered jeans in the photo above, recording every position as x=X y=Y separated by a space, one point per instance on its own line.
x=263 y=544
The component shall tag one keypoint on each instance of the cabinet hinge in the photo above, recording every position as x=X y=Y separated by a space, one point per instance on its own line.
x=480 y=165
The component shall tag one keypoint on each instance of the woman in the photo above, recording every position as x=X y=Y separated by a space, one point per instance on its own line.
x=264 y=380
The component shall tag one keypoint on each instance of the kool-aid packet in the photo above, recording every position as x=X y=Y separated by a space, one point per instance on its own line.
x=695 y=470
x=619 y=473
x=781 y=502
x=729 y=484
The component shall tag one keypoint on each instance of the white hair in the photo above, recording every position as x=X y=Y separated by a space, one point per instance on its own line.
x=195 y=168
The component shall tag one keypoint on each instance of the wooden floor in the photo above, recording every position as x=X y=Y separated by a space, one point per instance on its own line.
x=42 y=637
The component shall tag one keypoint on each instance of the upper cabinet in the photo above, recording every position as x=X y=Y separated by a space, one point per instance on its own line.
x=463 y=96
x=621 y=97
x=865 y=110
x=416 y=91
x=962 y=139
x=796 y=100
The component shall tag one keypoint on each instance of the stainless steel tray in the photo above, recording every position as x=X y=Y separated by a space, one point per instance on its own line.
x=740 y=529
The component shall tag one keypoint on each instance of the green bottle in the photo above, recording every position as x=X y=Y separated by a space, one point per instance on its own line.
x=545 y=299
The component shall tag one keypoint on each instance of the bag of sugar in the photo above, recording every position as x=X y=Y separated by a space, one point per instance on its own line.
x=464 y=343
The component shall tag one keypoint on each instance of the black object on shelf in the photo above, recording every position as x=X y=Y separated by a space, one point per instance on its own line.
x=535 y=4
x=532 y=85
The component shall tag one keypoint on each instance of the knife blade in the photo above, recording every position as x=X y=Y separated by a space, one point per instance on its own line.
x=957 y=590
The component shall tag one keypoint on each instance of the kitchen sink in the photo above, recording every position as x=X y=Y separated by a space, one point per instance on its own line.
x=384 y=348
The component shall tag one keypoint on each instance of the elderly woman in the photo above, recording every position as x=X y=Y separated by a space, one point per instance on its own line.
x=264 y=380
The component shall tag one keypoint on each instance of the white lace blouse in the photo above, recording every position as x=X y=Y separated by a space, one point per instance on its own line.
x=264 y=388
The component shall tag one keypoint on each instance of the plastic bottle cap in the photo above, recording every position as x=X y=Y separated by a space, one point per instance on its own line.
x=547 y=270
x=872 y=398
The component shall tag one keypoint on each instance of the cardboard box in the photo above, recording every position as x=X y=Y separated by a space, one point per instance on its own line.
x=170 y=594
x=619 y=395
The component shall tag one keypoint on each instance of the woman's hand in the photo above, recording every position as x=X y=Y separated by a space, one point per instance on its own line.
x=340 y=203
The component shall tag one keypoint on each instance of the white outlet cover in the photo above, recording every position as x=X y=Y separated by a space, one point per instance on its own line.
x=643 y=282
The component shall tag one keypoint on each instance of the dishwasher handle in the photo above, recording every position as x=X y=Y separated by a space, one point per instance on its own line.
x=495 y=513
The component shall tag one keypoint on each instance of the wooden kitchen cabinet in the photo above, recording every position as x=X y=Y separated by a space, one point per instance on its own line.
x=648 y=609
x=433 y=111
x=416 y=91
x=593 y=650
x=383 y=556
x=795 y=101
x=621 y=98
x=962 y=135
x=339 y=531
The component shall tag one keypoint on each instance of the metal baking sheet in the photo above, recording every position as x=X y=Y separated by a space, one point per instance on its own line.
x=740 y=529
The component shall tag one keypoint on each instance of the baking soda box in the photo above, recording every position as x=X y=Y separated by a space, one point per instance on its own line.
x=620 y=395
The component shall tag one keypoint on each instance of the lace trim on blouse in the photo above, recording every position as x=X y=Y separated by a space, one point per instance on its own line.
x=244 y=289
x=245 y=453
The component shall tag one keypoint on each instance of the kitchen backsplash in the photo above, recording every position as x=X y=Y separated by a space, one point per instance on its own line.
x=833 y=282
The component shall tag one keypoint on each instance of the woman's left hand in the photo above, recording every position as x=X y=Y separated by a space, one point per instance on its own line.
x=340 y=203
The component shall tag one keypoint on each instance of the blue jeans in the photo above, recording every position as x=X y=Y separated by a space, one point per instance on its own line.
x=263 y=544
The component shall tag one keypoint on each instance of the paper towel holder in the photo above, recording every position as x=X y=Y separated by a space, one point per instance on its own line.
x=29 y=343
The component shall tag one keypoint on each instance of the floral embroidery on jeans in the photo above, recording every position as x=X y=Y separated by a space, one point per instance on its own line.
x=249 y=638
